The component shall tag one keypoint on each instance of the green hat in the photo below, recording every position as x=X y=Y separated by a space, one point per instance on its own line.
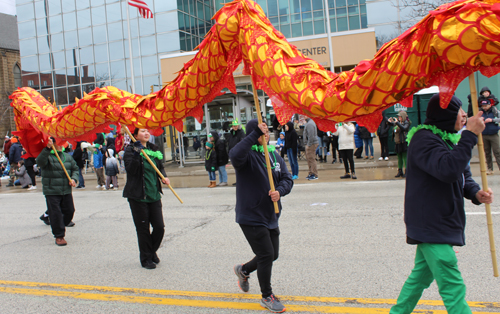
x=235 y=122
x=210 y=145
x=210 y=135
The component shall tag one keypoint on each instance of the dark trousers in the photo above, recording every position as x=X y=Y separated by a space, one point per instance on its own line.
x=358 y=152
x=145 y=214
x=347 y=158
x=61 y=210
x=384 y=146
x=31 y=173
x=265 y=244
x=334 y=142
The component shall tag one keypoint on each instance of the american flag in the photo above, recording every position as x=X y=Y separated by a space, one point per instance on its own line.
x=143 y=8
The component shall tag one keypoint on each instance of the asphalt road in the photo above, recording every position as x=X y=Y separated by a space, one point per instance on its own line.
x=342 y=251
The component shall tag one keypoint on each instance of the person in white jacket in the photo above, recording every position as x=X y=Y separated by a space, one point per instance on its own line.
x=345 y=132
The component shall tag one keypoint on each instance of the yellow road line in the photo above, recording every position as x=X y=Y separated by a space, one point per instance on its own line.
x=349 y=301
x=202 y=303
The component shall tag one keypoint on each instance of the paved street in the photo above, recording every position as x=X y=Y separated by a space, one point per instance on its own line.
x=342 y=251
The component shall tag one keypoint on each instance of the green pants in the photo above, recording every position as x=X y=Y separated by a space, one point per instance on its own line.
x=434 y=261
x=402 y=160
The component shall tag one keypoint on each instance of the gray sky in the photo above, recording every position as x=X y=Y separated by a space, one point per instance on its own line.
x=8 y=7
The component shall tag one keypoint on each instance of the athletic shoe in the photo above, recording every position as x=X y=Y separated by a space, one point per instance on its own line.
x=381 y=158
x=33 y=187
x=313 y=177
x=223 y=184
x=295 y=177
x=45 y=219
x=80 y=187
x=242 y=278
x=346 y=176
x=98 y=187
x=309 y=177
x=386 y=158
x=71 y=224
x=273 y=304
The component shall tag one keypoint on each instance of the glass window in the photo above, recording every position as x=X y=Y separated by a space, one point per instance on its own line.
x=117 y=70
x=341 y=12
x=43 y=45
x=97 y=2
x=111 y=1
x=167 y=22
x=364 y=21
x=87 y=73
x=295 y=18
x=59 y=61
x=148 y=45
x=41 y=27
x=200 y=13
x=342 y=24
x=285 y=30
x=115 y=31
x=135 y=48
x=283 y=7
x=88 y=88
x=72 y=57
x=29 y=64
x=147 y=26
x=85 y=36
x=274 y=20
x=101 y=72
x=296 y=30
x=307 y=28
x=83 y=18
x=332 y=13
x=54 y=7
x=284 y=18
x=28 y=47
x=362 y=8
x=116 y=50
x=352 y=2
x=262 y=4
x=86 y=55
x=113 y=12
x=61 y=95
x=73 y=92
x=98 y=16
x=60 y=77
x=57 y=42
x=272 y=7
x=354 y=10
x=25 y=12
x=138 y=85
x=208 y=13
x=48 y=93
x=148 y=81
x=101 y=53
x=305 y=5
x=69 y=21
x=318 y=15
x=149 y=65
x=137 y=67
x=162 y=5
x=99 y=34
x=182 y=38
x=331 y=4
x=45 y=62
x=317 y=5
x=333 y=25
x=307 y=16
x=40 y=9
x=319 y=27
x=26 y=29
x=82 y=4
x=134 y=28
x=354 y=22
x=168 y=42
x=71 y=40
x=72 y=75
x=68 y=5
x=55 y=24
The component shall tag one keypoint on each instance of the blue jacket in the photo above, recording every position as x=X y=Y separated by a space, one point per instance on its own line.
x=15 y=153
x=437 y=180
x=491 y=127
x=357 y=139
x=98 y=159
x=253 y=203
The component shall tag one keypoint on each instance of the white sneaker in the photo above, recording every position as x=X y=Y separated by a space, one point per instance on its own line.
x=98 y=187
x=111 y=185
x=386 y=158
x=381 y=158
x=32 y=188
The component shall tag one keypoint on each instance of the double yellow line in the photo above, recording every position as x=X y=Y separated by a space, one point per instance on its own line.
x=199 y=299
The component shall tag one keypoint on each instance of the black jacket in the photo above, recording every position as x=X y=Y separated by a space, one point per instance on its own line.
x=491 y=98
x=384 y=128
x=211 y=159
x=364 y=133
x=220 y=149
x=291 y=138
x=78 y=155
x=234 y=138
x=134 y=165
x=16 y=150
x=253 y=203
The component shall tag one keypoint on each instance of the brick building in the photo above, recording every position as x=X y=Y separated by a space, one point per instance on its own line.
x=10 y=71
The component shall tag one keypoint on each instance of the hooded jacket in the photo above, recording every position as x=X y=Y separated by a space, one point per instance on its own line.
x=253 y=203
x=291 y=138
x=78 y=154
x=437 y=180
x=234 y=138
x=24 y=177
x=220 y=150
x=54 y=180
x=384 y=127
x=345 y=132
x=310 y=133
x=491 y=98
x=111 y=164
x=15 y=153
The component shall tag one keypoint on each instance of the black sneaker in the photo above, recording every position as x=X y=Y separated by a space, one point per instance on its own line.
x=149 y=265
x=313 y=177
x=346 y=176
x=242 y=278
x=273 y=304
x=45 y=219
x=71 y=224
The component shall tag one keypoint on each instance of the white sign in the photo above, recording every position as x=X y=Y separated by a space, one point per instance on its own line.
x=398 y=107
x=197 y=125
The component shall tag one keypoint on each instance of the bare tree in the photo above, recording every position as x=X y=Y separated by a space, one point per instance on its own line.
x=415 y=10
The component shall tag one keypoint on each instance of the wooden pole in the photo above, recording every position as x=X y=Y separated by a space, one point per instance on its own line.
x=264 y=144
x=60 y=161
x=484 y=180
x=152 y=164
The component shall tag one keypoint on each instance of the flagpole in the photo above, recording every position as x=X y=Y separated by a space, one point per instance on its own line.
x=130 y=49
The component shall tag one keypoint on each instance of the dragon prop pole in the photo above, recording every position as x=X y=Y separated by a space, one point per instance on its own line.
x=484 y=180
x=264 y=144
x=153 y=165
x=60 y=161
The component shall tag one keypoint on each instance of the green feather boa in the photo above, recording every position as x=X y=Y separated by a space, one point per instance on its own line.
x=451 y=137
x=260 y=148
x=150 y=153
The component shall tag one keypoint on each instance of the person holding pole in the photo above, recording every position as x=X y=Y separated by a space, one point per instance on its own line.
x=438 y=178
x=58 y=168
x=255 y=209
x=143 y=190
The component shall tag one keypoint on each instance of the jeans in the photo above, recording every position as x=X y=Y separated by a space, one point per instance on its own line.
x=212 y=176
x=433 y=261
x=265 y=245
x=144 y=215
x=294 y=164
x=321 y=146
x=81 y=181
x=368 y=143
x=61 y=210
x=222 y=174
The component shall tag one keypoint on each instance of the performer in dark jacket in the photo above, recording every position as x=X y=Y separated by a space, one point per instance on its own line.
x=383 y=136
x=143 y=191
x=78 y=157
x=57 y=188
x=438 y=169
x=222 y=157
x=255 y=210
x=292 y=148
x=211 y=163
x=235 y=136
